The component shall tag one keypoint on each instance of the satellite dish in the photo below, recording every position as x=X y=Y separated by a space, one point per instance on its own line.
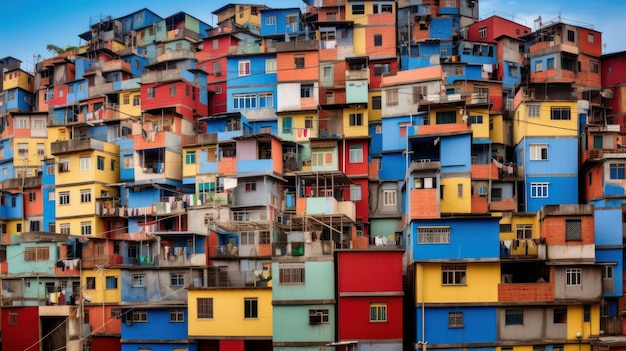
x=607 y=93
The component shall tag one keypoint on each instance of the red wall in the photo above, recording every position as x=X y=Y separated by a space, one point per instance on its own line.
x=354 y=318
x=369 y=271
x=25 y=333
x=496 y=26
x=102 y=343
x=184 y=104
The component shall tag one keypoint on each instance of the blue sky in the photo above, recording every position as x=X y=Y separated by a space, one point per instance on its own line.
x=28 y=26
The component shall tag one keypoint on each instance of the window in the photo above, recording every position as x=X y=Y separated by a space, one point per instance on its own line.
x=21 y=123
x=270 y=20
x=533 y=110
x=358 y=9
x=250 y=186
x=128 y=161
x=356 y=153
x=32 y=196
x=591 y=38
x=22 y=149
x=586 y=313
x=594 y=66
x=64 y=198
x=453 y=274
x=392 y=97
x=177 y=316
x=318 y=316
x=299 y=61
x=151 y=92
x=306 y=90
x=264 y=236
x=116 y=312
x=308 y=122
x=538 y=152
x=136 y=100
x=244 y=101
x=85 y=163
x=616 y=170
x=424 y=183
x=139 y=280
x=550 y=63
x=90 y=283
x=177 y=279
x=205 y=307
x=270 y=66
x=482 y=32
x=13 y=317
x=218 y=89
x=560 y=315
x=378 y=40
x=446 y=117
x=266 y=100
x=506 y=228
x=433 y=235
x=607 y=272
x=378 y=312
x=100 y=163
x=64 y=228
x=539 y=190
x=251 y=307
x=291 y=273
x=36 y=253
x=217 y=69
x=327 y=72
x=381 y=68
x=573 y=276
x=455 y=319
x=560 y=113
x=244 y=68
x=172 y=90
x=571 y=35
x=524 y=231
x=85 y=195
x=514 y=317
x=376 y=103
x=538 y=66
x=85 y=228
x=190 y=157
x=140 y=316
x=390 y=198
x=573 y=229
x=356 y=119
x=355 y=192
x=459 y=191
x=111 y=282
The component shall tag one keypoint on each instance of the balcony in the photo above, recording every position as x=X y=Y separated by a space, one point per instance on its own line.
x=486 y=171
x=498 y=205
x=167 y=206
x=200 y=139
x=17 y=183
x=523 y=248
x=237 y=279
x=362 y=74
x=307 y=249
x=611 y=325
x=167 y=75
x=170 y=55
x=115 y=66
x=599 y=154
x=75 y=145
x=102 y=260
x=442 y=128
x=327 y=206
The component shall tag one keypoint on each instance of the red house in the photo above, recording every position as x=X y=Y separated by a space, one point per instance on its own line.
x=370 y=296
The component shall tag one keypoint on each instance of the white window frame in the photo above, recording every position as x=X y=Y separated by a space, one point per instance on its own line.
x=355 y=192
x=271 y=65
x=356 y=153
x=539 y=190
x=433 y=235
x=390 y=197
x=453 y=274
x=536 y=152
x=139 y=280
x=244 y=68
x=85 y=163
x=533 y=110
x=573 y=276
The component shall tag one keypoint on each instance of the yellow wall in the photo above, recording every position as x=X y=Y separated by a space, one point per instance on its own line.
x=127 y=110
x=101 y=293
x=575 y=322
x=451 y=203
x=355 y=131
x=518 y=219
x=497 y=133
x=228 y=313
x=482 y=281
x=75 y=175
x=359 y=42
x=543 y=125
x=373 y=115
x=33 y=159
x=190 y=170
x=480 y=131
x=21 y=81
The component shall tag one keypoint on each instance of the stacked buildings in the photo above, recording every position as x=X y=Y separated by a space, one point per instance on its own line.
x=359 y=175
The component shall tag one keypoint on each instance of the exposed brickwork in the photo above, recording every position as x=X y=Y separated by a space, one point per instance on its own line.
x=522 y=292
x=553 y=229
x=424 y=203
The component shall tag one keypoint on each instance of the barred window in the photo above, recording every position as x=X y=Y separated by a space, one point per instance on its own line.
x=573 y=229
x=291 y=273
x=455 y=319
x=433 y=235
x=205 y=307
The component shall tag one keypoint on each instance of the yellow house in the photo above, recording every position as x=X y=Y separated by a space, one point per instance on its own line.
x=17 y=78
x=230 y=313
x=191 y=161
x=130 y=104
x=355 y=122
x=480 y=285
x=102 y=285
x=545 y=118
x=478 y=118
x=374 y=113
x=456 y=195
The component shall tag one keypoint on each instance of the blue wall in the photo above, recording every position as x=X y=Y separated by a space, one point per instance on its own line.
x=19 y=100
x=562 y=156
x=280 y=21
x=453 y=159
x=611 y=256
x=561 y=190
x=469 y=238
x=158 y=327
x=394 y=166
x=479 y=325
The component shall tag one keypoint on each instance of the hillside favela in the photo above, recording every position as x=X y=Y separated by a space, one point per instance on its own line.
x=342 y=175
